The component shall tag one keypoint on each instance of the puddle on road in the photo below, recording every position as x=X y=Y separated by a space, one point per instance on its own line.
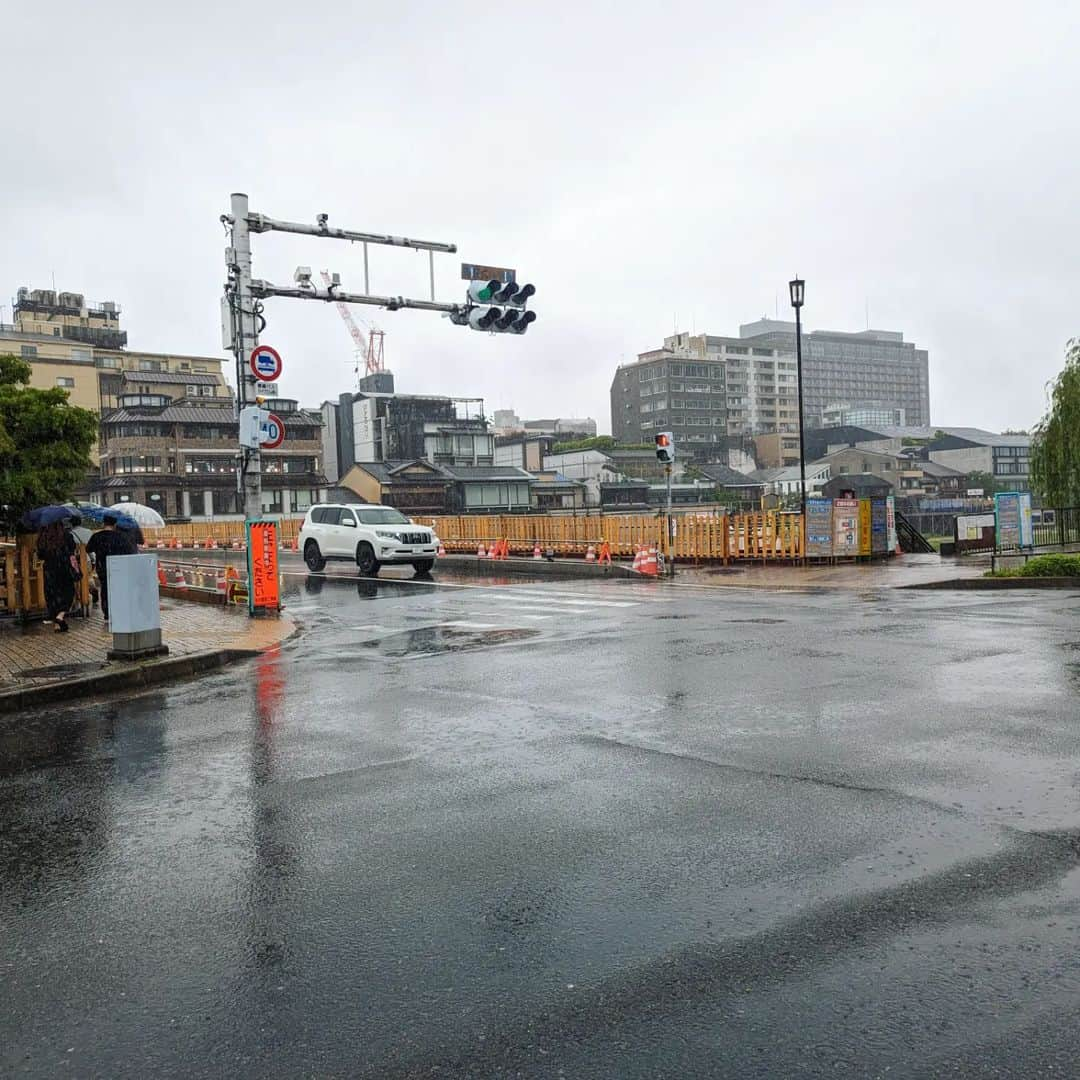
x=432 y=640
x=759 y=622
x=62 y=671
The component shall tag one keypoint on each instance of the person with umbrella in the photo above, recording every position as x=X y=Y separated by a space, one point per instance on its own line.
x=102 y=546
x=59 y=556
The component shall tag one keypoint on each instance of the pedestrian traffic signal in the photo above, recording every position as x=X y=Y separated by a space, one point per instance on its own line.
x=665 y=447
x=498 y=307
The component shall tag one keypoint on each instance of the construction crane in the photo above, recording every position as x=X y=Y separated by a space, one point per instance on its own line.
x=369 y=347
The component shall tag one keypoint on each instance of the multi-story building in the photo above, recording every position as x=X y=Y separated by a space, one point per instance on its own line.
x=664 y=391
x=178 y=454
x=869 y=367
x=379 y=425
x=873 y=373
x=168 y=434
x=1007 y=458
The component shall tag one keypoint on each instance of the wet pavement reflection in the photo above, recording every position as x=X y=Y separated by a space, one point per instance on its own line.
x=548 y=829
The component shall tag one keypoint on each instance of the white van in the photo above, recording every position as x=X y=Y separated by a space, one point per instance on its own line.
x=371 y=536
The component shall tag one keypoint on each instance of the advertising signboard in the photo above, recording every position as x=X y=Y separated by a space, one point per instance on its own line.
x=865 y=523
x=890 y=522
x=263 y=591
x=818 y=528
x=879 y=531
x=1012 y=518
x=845 y=527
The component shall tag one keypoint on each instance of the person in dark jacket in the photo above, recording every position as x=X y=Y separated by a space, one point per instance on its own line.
x=104 y=544
x=57 y=551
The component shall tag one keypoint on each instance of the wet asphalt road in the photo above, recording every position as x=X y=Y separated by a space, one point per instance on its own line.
x=578 y=829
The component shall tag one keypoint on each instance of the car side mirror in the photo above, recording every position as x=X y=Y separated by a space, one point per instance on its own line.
x=349 y=523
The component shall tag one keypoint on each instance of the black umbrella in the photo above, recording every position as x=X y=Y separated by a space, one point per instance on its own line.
x=41 y=516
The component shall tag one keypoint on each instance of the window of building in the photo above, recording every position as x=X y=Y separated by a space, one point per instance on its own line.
x=81 y=355
x=65 y=380
x=56 y=331
x=137 y=463
x=224 y=500
x=109 y=361
x=218 y=464
x=150 y=365
x=192 y=391
x=28 y=350
x=200 y=367
x=740 y=350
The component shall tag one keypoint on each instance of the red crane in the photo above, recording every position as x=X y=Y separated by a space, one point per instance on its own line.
x=368 y=346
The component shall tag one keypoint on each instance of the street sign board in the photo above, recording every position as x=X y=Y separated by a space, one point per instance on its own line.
x=273 y=432
x=476 y=272
x=265 y=363
x=263 y=591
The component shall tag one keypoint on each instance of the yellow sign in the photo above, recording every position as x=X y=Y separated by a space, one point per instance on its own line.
x=865 y=522
x=263 y=566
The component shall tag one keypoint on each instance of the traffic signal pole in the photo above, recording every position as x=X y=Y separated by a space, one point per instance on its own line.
x=503 y=312
x=669 y=561
x=245 y=338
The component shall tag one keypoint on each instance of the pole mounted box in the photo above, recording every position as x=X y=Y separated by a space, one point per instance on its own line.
x=252 y=420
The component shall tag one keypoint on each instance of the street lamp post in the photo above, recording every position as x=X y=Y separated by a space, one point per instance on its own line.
x=798 y=288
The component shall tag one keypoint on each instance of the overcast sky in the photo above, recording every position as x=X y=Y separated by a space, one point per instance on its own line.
x=647 y=166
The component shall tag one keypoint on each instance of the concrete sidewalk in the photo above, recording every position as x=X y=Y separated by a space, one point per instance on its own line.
x=35 y=660
x=894 y=573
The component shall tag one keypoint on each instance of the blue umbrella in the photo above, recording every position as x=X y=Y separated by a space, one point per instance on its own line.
x=41 y=516
x=93 y=512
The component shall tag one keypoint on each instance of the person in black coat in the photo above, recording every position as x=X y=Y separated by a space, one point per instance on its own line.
x=57 y=551
x=104 y=544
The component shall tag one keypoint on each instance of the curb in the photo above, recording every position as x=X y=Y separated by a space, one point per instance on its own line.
x=533 y=567
x=986 y=584
x=137 y=677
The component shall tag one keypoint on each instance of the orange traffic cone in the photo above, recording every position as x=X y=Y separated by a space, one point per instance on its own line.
x=492 y=550
x=590 y=555
x=222 y=584
x=650 y=564
x=209 y=543
x=638 y=555
x=480 y=552
x=179 y=581
x=442 y=549
x=537 y=554
x=161 y=578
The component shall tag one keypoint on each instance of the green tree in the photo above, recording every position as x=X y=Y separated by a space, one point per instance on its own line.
x=597 y=442
x=45 y=443
x=1055 y=445
x=989 y=484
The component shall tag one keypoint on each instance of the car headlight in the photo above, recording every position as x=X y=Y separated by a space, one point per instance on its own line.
x=387 y=534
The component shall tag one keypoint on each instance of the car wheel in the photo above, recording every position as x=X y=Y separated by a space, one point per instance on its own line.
x=313 y=557
x=423 y=566
x=366 y=561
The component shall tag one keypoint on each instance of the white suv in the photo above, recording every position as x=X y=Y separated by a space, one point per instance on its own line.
x=370 y=535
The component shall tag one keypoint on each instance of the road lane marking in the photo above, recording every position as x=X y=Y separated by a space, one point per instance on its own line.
x=583 y=602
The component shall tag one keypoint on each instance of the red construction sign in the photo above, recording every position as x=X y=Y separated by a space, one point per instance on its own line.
x=263 y=593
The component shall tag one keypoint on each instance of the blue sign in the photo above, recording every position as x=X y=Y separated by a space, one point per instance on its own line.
x=265 y=363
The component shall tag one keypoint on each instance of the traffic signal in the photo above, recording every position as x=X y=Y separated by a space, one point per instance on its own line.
x=499 y=307
x=665 y=447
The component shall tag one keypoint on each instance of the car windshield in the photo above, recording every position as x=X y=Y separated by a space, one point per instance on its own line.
x=382 y=515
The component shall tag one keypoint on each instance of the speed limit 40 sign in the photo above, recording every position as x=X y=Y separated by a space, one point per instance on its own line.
x=273 y=432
